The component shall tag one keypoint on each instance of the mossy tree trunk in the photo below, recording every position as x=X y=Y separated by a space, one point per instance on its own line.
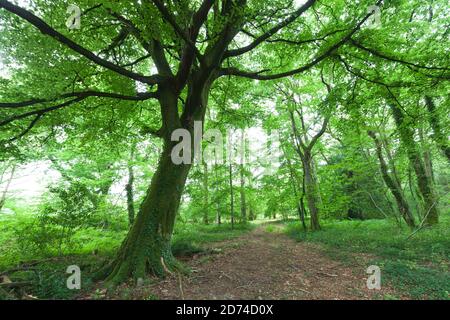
x=425 y=184
x=295 y=183
x=393 y=185
x=147 y=247
x=129 y=189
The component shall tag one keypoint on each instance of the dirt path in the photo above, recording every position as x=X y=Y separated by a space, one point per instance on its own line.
x=263 y=265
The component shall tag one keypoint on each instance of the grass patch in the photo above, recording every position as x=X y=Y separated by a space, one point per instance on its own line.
x=418 y=266
x=189 y=239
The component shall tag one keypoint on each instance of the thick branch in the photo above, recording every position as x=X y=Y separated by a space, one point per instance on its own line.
x=40 y=111
x=83 y=94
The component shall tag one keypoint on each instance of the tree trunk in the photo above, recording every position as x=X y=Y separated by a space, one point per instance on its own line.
x=218 y=215
x=206 y=195
x=311 y=193
x=147 y=247
x=8 y=184
x=242 y=192
x=299 y=200
x=231 y=194
x=130 y=192
x=251 y=215
x=425 y=184
x=396 y=190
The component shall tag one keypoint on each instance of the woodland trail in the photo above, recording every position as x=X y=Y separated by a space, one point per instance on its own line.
x=269 y=265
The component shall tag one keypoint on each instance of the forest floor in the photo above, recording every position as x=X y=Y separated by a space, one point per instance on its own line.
x=265 y=264
x=258 y=260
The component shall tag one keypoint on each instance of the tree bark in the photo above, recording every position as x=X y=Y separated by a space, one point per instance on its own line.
x=299 y=199
x=218 y=215
x=130 y=191
x=242 y=193
x=147 y=247
x=395 y=188
x=425 y=185
x=206 y=194
x=311 y=192
x=230 y=171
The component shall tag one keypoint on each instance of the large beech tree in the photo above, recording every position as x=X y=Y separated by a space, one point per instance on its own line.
x=166 y=57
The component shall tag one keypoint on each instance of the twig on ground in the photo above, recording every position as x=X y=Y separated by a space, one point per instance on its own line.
x=181 y=285
x=224 y=274
x=305 y=291
x=327 y=274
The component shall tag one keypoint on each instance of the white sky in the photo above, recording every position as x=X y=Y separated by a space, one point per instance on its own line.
x=31 y=180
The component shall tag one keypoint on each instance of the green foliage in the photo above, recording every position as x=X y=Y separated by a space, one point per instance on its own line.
x=358 y=78
x=417 y=264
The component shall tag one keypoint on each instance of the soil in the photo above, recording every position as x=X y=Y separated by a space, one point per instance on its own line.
x=269 y=265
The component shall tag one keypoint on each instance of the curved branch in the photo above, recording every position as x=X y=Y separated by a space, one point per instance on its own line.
x=28 y=129
x=393 y=59
x=82 y=94
x=40 y=111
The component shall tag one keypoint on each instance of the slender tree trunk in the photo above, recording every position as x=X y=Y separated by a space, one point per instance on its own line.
x=299 y=200
x=218 y=215
x=391 y=161
x=302 y=197
x=231 y=194
x=251 y=215
x=130 y=191
x=311 y=192
x=8 y=184
x=396 y=190
x=242 y=178
x=206 y=194
x=242 y=193
x=425 y=184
